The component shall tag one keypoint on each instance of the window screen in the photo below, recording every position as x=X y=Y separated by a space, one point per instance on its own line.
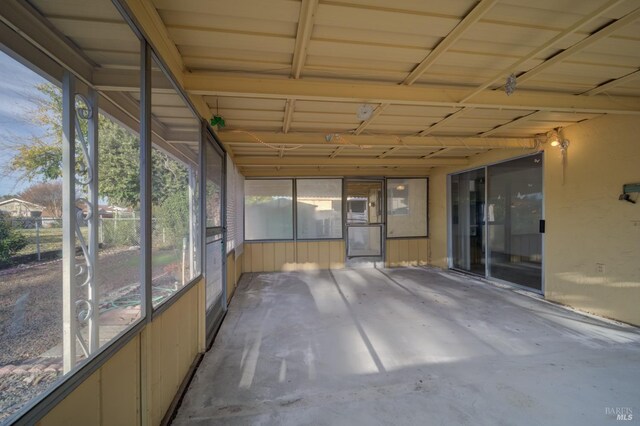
x=231 y=204
x=319 y=208
x=268 y=209
x=406 y=208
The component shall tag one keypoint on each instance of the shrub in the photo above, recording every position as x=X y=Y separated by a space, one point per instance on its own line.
x=11 y=241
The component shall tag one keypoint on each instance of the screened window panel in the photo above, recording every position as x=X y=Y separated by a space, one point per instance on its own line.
x=231 y=204
x=319 y=208
x=406 y=208
x=239 y=192
x=268 y=209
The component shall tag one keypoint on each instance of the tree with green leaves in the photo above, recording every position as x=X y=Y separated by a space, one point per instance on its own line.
x=40 y=157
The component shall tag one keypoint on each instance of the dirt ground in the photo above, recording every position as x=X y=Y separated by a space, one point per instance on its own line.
x=31 y=315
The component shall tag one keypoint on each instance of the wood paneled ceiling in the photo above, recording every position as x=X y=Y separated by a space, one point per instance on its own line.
x=288 y=76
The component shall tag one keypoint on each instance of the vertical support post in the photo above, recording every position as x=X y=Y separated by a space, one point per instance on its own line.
x=38 y=237
x=145 y=180
x=69 y=325
x=93 y=222
x=192 y=221
x=145 y=233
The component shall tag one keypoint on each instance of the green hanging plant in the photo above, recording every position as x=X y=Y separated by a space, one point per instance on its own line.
x=217 y=120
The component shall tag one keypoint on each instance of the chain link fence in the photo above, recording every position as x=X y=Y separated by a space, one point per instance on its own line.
x=44 y=236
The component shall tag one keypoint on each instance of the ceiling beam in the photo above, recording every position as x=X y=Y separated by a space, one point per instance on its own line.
x=278 y=88
x=25 y=20
x=233 y=138
x=613 y=83
x=144 y=13
x=288 y=115
x=390 y=151
x=346 y=161
x=471 y=18
x=308 y=10
x=444 y=121
x=581 y=45
x=334 y=171
x=540 y=49
x=337 y=151
x=435 y=153
x=511 y=123
x=376 y=112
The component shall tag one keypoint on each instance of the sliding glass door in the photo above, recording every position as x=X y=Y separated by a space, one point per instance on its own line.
x=467 y=221
x=496 y=221
x=514 y=214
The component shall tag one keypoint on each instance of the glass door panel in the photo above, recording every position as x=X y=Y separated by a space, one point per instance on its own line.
x=215 y=247
x=514 y=214
x=365 y=218
x=467 y=221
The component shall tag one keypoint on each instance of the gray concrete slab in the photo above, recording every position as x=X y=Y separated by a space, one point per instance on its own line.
x=409 y=346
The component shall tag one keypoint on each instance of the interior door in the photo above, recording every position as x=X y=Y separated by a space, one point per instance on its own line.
x=365 y=218
x=214 y=233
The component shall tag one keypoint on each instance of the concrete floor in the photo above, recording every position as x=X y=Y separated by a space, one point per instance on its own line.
x=409 y=346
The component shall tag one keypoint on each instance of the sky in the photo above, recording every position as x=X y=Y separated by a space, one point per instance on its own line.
x=17 y=89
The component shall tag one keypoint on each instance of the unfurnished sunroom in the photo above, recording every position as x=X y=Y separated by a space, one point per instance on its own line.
x=319 y=211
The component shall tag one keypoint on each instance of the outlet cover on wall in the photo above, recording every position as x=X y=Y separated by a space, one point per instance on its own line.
x=600 y=268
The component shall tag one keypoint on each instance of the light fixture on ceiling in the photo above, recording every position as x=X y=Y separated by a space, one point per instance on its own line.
x=510 y=85
x=364 y=112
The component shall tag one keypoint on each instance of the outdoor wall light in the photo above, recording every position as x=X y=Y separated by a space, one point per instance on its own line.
x=555 y=140
x=627 y=190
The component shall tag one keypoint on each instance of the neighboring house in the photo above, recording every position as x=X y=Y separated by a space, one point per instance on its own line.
x=16 y=207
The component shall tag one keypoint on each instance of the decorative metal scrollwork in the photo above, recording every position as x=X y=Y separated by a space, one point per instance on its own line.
x=84 y=177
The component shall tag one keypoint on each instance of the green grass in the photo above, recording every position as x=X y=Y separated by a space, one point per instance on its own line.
x=50 y=240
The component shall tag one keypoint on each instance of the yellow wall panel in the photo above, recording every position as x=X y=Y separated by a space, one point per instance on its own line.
x=146 y=372
x=280 y=256
x=302 y=255
x=120 y=386
x=423 y=251
x=257 y=264
x=392 y=253
x=82 y=406
x=268 y=257
x=413 y=252
x=290 y=253
x=324 y=254
x=247 y=258
x=231 y=275
x=313 y=261
x=239 y=263
x=336 y=254
x=403 y=252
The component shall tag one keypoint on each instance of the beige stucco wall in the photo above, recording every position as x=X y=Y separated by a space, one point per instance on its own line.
x=586 y=224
